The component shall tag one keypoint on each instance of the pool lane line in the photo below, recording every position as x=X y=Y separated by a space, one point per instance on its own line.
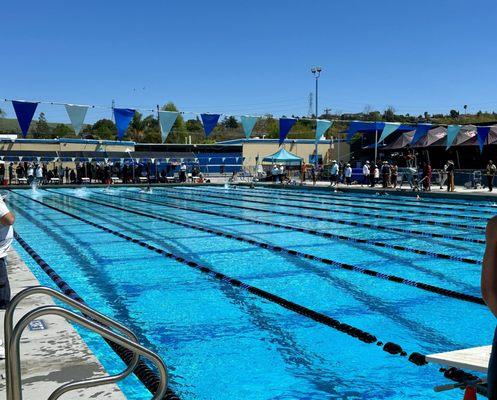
x=142 y=371
x=366 y=337
x=265 y=245
x=253 y=193
x=436 y=202
x=326 y=219
x=342 y=211
x=303 y=230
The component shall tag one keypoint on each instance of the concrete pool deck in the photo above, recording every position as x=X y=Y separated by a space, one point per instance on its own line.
x=53 y=356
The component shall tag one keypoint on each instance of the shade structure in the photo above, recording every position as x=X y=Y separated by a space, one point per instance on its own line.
x=431 y=137
x=402 y=141
x=283 y=156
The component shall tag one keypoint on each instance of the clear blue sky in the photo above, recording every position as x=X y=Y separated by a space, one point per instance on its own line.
x=250 y=57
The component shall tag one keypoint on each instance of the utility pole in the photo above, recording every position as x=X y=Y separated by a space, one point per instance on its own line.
x=316 y=71
x=309 y=112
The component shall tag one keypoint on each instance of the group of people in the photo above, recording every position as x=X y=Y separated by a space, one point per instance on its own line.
x=387 y=172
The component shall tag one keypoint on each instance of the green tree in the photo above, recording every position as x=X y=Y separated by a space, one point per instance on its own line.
x=62 y=130
x=454 y=113
x=230 y=122
x=193 y=125
x=104 y=129
x=42 y=128
x=389 y=114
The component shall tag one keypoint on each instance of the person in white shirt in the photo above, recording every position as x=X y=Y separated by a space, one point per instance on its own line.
x=365 y=174
x=30 y=173
x=334 y=173
x=6 y=236
x=348 y=174
x=39 y=174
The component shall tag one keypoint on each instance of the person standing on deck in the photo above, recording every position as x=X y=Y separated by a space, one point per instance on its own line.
x=372 y=170
x=489 y=294
x=348 y=174
x=490 y=172
x=334 y=173
x=6 y=236
x=365 y=173
x=385 y=174
x=394 y=173
x=450 y=176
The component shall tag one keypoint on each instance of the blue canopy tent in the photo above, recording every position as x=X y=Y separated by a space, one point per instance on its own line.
x=283 y=156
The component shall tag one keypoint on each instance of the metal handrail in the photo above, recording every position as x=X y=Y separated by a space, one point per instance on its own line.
x=14 y=350
x=12 y=337
x=8 y=328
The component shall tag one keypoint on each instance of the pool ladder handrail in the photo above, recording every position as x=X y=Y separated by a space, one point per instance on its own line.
x=90 y=319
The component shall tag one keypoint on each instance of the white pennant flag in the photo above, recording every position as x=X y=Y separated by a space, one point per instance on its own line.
x=77 y=116
x=166 y=121
x=90 y=159
x=73 y=159
x=122 y=160
x=20 y=158
x=38 y=158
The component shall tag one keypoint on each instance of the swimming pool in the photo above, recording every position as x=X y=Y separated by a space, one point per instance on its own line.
x=297 y=271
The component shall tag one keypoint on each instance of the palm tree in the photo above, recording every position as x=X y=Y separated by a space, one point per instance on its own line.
x=465 y=109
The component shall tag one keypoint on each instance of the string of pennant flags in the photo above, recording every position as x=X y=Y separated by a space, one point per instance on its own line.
x=25 y=111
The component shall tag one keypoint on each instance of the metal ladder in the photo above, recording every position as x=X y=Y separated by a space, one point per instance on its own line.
x=89 y=319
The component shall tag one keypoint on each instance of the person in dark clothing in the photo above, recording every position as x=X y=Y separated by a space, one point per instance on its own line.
x=450 y=176
x=67 y=174
x=490 y=173
x=394 y=173
x=72 y=176
x=385 y=174
x=427 y=176
x=371 y=174
x=11 y=173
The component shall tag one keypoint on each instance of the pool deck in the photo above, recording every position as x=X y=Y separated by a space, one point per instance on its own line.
x=53 y=356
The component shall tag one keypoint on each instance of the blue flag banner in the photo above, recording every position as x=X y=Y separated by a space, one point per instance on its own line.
x=452 y=132
x=77 y=116
x=123 y=117
x=322 y=125
x=421 y=131
x=482 y=134
x=388 y=129
x=209 y=121
x=285 y=126
x=166 y=121
x=24 y=113
x=248 y=123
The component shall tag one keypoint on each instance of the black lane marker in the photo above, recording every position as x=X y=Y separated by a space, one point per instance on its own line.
x=252 y=193
x=327 y=219
x=146 y=376
x=327 y=261
x=304 y=230
x=304 y=207
x=389 y=347
x=434 y=201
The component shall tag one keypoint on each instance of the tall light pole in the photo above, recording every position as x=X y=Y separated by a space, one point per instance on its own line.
x=316 y=71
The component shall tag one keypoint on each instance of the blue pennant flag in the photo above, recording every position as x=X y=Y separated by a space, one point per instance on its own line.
x=248 y=123
x=452 y=132
x=123 y=117
x=24 y=113
x=482 y=135
x=285 y=126
x=322 y=125
x=388 y=129
x=421 y=131
x=209 y=121
x=166 y=121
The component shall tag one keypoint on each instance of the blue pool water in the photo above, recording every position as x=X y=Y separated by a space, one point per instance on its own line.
x=222 y=342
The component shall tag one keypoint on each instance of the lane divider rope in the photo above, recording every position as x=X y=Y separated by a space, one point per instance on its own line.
x=312 y=232
x=236 y=197
x=370 y=198
x=343 y=202
x=142 y=371
x=327 y=261
x=366 y=337
x=329 y=219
